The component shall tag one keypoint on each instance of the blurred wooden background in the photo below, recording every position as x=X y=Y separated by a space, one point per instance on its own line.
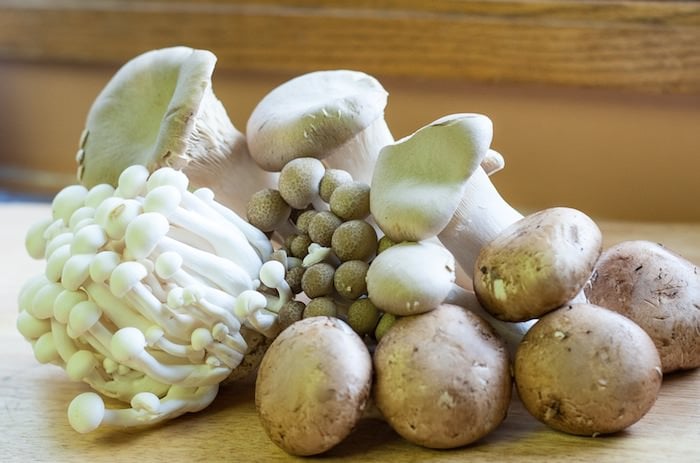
x=596 y=104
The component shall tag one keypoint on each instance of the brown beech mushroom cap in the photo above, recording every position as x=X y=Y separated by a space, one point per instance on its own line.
x=585 y=370
x=410 y=278
x=659 y=290
x=334 y=115
x=313 y=385
x=442 y=378
x=159 y=109
x=537 y=264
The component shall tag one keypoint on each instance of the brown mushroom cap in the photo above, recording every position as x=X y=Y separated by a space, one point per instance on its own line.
x=659 y=290
x=313 y=385
x=586 y=370
x=442 y=378
x=537 y=264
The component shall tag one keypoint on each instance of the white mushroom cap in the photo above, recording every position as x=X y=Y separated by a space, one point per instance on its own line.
x=313 y=115
x=159 y=109
x=146 y=113
x=410 y=278
x=419 y=180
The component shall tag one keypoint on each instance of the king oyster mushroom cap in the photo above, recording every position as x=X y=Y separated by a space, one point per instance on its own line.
x=434 y=182
x=159 y=110
x=537 y=264
x=335 y=115
x=419 y=180
x=442 y=378
x=313 y=385
x=410 y=278
x=659 y=290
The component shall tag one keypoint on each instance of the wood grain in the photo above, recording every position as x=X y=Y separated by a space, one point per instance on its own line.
x=643 y=45
x=34 y=397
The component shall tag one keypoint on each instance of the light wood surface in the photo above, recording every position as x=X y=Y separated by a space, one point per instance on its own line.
x=642 y=45
x=34 y=397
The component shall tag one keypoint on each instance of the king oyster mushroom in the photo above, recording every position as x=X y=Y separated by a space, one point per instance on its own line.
x=159 y=110
x=431 y=183
x=336 y=116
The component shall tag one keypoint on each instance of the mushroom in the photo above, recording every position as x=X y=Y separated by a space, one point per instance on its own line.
x=139 y=298
x=586 y=370
x=659 y=290
x=431 y=183
x=336 y=116
x=159 y=110
x=313 y=385
x=410 y=278
x=537 y=264
x=442 y=378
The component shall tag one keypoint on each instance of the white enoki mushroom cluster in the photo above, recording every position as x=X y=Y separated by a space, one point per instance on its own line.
x=146 y=292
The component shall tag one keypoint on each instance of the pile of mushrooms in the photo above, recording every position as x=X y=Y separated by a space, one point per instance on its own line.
x=332 y=252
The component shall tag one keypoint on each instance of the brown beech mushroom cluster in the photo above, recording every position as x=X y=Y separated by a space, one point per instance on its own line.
x=343 y=275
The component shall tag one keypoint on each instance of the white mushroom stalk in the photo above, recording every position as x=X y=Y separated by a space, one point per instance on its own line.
x=159 y=109
x=147 y=293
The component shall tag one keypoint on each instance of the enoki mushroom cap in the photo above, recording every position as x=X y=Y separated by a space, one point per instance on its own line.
x=86 y=412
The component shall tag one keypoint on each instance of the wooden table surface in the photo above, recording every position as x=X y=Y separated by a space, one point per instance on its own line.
x=34 y=398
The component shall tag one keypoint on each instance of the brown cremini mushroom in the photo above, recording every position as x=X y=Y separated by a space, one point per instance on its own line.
x=586 y=370
x=313 y=385
x=442 y=378
x=657 y=289
x=537 y=264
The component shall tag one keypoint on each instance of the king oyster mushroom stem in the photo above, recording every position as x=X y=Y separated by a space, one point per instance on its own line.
x=159 y=110
x=143 y=309
x=431 y=184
